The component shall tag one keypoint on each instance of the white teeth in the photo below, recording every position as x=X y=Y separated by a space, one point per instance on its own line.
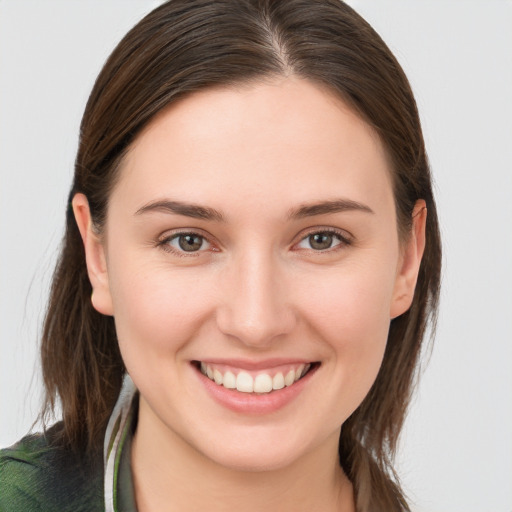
x=217 y=377
x=278 y=381
x=290 y=378
x=229 y=380
x=244 y=383
x=263 y=383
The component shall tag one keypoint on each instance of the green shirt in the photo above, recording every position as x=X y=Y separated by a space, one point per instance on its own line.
x=37 y=475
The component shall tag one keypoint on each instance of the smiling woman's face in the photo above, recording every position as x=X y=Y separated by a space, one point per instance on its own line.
x=252 y=236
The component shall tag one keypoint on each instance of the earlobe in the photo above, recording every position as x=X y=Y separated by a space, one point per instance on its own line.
x=94 y=255
x=410 y=261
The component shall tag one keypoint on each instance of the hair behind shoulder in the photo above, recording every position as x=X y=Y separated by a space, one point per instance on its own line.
x=185 y=46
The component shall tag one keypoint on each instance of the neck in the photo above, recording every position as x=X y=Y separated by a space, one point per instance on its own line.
x=170 y=475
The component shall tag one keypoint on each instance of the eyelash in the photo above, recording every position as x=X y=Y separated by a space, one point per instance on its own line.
x=342 y=236
x=164 y=244
x=344 y=241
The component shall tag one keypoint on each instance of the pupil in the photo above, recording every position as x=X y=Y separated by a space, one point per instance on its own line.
x=320 y=241
x=190 y=242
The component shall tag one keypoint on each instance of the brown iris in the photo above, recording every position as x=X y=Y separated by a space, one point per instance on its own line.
x=321 y=241
x=190 y=242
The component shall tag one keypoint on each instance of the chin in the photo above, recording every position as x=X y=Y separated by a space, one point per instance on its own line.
x=257 y=450
x=252 y=461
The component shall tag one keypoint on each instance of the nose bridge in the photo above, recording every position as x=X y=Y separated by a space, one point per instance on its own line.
x=256 y=309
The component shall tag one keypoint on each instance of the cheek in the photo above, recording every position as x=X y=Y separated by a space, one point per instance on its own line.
x=350 y=312
x=156 y=311
x=351 y=303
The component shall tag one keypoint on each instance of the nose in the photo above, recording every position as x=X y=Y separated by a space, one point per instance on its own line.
x=256 y=308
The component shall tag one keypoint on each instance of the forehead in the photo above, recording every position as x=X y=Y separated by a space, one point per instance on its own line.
x=283 y=141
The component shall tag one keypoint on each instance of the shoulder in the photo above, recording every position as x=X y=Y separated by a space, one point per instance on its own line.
x=38 y=475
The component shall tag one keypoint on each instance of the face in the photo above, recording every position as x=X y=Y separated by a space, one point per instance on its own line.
x=252 y=237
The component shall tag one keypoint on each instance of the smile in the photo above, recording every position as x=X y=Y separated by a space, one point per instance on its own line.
x=254 y=381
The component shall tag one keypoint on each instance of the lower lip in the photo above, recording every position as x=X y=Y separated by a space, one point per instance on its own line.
x=252 y=403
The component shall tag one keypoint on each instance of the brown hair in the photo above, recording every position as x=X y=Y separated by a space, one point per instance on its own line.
x=189 y=45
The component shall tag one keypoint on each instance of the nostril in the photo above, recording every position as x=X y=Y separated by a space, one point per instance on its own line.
x=254 y=311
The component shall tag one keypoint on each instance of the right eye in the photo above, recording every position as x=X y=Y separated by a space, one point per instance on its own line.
x=186 y=243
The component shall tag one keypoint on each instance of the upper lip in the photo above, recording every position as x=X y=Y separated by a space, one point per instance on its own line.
x=249 y=364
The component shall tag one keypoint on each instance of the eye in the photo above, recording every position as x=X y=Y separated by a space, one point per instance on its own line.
x=322 y=241
x=186 y=242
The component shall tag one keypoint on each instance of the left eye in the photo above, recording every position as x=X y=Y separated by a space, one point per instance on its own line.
x=188 y=242
x=320 y=241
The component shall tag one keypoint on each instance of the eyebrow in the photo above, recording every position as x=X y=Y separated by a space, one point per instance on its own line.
x=205 y=213
x=179 y=208
x=326 y=207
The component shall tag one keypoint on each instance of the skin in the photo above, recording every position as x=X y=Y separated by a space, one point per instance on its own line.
x=256 y=289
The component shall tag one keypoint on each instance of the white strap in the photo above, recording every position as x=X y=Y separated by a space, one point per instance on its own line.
x=113 y=435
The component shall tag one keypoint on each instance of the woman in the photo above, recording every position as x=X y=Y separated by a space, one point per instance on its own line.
x=250 y=263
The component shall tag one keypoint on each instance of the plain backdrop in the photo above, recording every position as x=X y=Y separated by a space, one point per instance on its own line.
x=456 y=451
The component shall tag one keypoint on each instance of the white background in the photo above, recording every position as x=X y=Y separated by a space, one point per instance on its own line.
x=457 y=446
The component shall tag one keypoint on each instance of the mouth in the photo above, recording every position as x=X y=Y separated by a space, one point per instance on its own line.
x=256 y=382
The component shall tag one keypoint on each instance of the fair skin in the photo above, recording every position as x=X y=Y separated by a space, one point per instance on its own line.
x=257 y=282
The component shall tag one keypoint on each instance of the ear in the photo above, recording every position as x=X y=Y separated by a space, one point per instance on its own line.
x=410 y=260
x=94 y=255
